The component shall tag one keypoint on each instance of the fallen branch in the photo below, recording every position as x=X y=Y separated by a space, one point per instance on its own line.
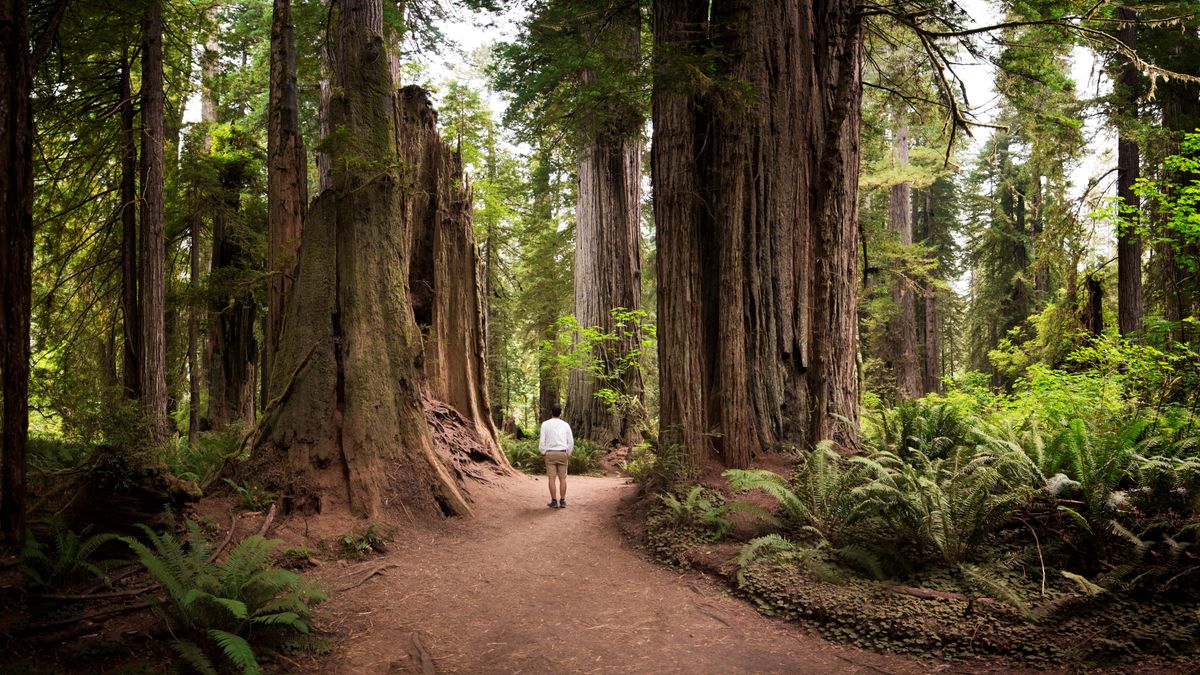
x=420 y=655
x=363 y=579
x=262 y=531
x=93 y=615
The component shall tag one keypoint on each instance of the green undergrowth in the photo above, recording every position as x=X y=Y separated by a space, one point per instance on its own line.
x=1058 y=525
x=525 y=456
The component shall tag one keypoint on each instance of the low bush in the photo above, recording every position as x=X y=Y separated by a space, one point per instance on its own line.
x=240 y=606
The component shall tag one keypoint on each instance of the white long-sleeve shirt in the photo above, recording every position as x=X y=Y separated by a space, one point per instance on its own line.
x=556 y=436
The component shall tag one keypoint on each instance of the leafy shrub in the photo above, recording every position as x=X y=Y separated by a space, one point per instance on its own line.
x=640 y=463
x=946 y=508
x=237 y=606
x=203 y=463
x=707 y=511
x=821 y=498
x=49 y=566
x=251 y=496
x=934 y=426
x=370 y=539
x=525 y=456
x=585 y=458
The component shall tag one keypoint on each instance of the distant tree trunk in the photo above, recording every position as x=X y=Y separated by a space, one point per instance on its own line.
x=756 y=214
x=1129 y=242
x=287 y=181
x=16 y=260
x=902 y=328
x=444 y=272
x=931 y=344
x=151 y=285
x=1093 y=311
x=346 y=426
x=231 y=316
x=608 y=255
x=129 y=234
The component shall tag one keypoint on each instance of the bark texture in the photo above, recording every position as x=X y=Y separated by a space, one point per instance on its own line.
x=444 y=275
x=231 y=317
x=287 y=180
x=152 y=284
x=16 y=261
x=902 y=328
x=129 y=234
x=1129 y=242
x=345 y=425
x=608 y=253
x=757 y=222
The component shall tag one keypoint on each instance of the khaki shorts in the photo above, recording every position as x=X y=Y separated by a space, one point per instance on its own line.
x=556 y=464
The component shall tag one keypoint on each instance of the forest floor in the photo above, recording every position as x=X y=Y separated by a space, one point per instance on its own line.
x=523 y=588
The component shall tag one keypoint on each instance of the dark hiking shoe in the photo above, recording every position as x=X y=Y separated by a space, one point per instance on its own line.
x=562 y=503
x=553 y=504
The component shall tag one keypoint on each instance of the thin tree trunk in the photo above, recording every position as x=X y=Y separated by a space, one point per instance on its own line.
x=16 y=261
x=151 y=286
x=129 y=235
x=287 y=181
x=1129 y=242
x=902 y=329
x=757 y=215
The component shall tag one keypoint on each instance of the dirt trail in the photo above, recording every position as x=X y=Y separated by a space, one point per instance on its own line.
x=523 y=588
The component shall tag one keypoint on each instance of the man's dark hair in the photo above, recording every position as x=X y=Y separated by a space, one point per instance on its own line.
x=555 y=410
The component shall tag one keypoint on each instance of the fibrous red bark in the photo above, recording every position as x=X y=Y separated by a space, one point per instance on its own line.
x=902 y=328
x=1129 y=241
x=16 y=260
x=756 y=214
x=345 y=424
x=152 y=283
x=287 y=179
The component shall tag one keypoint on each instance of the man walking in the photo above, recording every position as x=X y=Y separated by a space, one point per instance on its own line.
x=556 y=443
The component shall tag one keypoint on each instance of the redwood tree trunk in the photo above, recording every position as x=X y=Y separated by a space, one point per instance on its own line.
x=231 y=319
x=444 y=273
x=16 y=260
x=151 y=285
x=287 y=180
x=902 y=328
x=346 y=426
x=608 y=256
x=757 y=220
x=129 y=235
x=1129 y=242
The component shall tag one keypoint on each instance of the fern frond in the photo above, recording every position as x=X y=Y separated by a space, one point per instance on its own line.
x=194 y=656
x=237 y=650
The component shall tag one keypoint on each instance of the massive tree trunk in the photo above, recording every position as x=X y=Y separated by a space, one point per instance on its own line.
x=16 y=260
x=151 y=285
x=129 y=233
x=444 y=273
x=608 y=255
x=345 y=426
x=757 y=219
x=1129 y=241
x=287 y=180
x=902 y=328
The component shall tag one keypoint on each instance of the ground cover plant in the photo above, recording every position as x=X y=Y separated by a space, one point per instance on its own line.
x=1042 y=526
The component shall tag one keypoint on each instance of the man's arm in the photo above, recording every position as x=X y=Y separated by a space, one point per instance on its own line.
x=542 y=439
x=571 y=440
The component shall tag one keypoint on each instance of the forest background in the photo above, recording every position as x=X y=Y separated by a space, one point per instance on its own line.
x=961 y=325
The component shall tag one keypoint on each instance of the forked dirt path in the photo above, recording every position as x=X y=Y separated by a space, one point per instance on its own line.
x=523 y=588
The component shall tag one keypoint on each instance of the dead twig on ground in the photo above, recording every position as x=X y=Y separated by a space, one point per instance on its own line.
x=363 y=579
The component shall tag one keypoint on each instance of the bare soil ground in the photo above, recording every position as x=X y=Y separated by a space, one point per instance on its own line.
x=523 y=588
